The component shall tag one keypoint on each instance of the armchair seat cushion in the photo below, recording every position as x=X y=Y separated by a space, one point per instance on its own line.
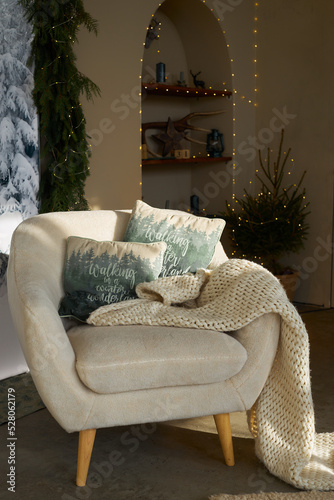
x=130 y=358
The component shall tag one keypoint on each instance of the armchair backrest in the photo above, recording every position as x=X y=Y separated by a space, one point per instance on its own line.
x=35 y=287
x=41 y=241
x=37 y=255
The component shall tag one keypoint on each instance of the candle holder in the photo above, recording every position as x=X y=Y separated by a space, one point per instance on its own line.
x=160 y=72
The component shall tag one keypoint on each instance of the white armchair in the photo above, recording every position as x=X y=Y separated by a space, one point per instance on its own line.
x=91 y=377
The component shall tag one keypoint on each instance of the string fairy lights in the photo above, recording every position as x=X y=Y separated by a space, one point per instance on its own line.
x=249 y=97
x=58 y=85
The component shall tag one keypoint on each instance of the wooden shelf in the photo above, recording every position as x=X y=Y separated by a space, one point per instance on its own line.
x=199 y=159
x=176 y=91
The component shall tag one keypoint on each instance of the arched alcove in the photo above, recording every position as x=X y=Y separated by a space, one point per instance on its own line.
x=190 y=39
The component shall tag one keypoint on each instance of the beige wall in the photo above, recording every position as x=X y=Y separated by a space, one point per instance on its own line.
x=295 y=64
x=295 y=73
x=113 y=61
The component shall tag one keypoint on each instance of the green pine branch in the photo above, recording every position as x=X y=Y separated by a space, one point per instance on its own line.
x=59 y=86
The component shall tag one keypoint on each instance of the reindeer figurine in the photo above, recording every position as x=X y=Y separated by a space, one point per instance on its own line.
x=197 y=83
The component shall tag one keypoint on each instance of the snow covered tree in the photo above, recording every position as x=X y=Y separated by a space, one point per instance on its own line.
x=19 y=171
x=19 y=175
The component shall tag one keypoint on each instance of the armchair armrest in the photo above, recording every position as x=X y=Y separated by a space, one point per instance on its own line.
x=34 y=279
x=260 y=339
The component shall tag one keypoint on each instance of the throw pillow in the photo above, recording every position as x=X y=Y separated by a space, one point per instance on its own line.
x=191 y=240
x=103 y=272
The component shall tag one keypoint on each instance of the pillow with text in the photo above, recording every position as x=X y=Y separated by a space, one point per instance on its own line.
x=191 y=240
x=98 y=273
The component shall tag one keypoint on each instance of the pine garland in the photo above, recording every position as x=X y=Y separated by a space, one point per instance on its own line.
x=273 y=223
x=57 y=91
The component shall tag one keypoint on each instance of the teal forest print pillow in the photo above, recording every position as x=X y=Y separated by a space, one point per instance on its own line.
x=98 y=273
x=191 y=240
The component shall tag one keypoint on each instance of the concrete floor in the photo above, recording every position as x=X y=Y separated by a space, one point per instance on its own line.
x=178 y=460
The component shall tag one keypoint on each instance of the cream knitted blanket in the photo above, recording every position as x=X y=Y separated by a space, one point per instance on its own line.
x=226 y=299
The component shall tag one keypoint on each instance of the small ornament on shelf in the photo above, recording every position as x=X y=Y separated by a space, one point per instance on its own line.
x=160 y=72
x=194 y=204
x=197 y=83
x=181 y=82
x=181 y=153
x=171 y=138
x=215 y=144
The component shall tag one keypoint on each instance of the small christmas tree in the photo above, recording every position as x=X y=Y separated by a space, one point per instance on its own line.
x=273 y=223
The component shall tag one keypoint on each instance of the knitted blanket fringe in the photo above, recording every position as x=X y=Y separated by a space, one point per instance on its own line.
x=226 y=299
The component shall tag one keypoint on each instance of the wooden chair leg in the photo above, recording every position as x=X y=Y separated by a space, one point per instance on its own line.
x=223 y=425
x=86 y=443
